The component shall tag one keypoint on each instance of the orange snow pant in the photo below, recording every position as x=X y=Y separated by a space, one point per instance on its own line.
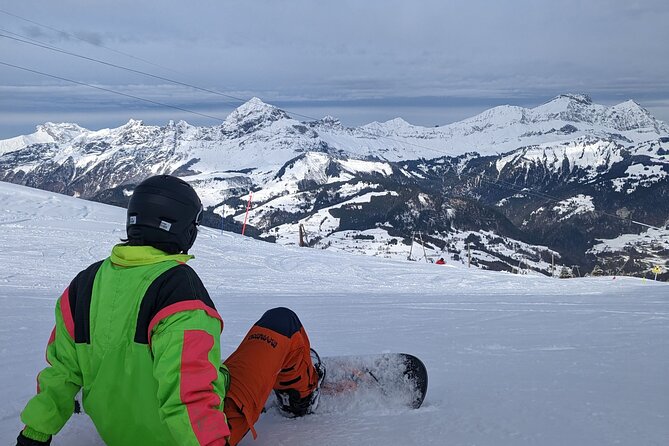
x=273 y=355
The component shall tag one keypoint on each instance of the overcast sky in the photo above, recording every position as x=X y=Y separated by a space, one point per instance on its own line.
x=429 y=61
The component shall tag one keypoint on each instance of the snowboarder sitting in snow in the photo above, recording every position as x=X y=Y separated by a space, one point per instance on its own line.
x=139 y=334
x=441 y=261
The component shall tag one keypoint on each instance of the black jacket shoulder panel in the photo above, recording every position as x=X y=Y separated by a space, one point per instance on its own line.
x=175 y=285
x=80 y=293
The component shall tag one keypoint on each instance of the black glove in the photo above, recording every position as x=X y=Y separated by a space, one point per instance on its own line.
x=25 y=441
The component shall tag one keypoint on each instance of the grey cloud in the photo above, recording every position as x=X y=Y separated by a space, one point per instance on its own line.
x=34 y=32
x=53 y=36
x=350 y=53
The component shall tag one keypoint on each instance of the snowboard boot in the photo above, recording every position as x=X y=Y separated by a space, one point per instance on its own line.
x=290 y=402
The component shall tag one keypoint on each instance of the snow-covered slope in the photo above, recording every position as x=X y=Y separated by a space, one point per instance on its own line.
x=513 y=360
x=41 y=136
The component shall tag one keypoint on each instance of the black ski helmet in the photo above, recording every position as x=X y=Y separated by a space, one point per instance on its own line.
x=164 y=212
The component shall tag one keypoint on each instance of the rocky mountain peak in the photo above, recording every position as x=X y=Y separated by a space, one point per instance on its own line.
x=568 y=107
x=391 y=127
x=631 y=108
x=180 y=125
x=579 y=98
x=579 y=108
x=500 y=116
x=61 y=132
x=629 y=115
x=253 y=115
x=133 y=123
x=397 y=122
x=329 y=121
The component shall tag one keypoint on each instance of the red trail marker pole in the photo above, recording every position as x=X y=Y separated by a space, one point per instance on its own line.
x=246 y=217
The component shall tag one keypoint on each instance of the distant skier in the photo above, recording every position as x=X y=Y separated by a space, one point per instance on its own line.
x=139 y=334
x=441 y=261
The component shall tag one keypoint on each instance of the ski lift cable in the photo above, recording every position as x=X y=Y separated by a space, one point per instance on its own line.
x=551 y=198
x=238 y=100
x=157 y=65
x=241 y=100
x=37 y=43
x=73 y=36
x=59 y=50
x=120 y=67
x=34 y=42
x=517 y=188
x=30 y=41
x=109 y=90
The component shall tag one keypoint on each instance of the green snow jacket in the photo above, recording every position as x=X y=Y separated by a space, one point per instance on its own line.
x=139 y=334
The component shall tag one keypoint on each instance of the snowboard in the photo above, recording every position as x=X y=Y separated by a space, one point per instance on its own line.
x=383 y=381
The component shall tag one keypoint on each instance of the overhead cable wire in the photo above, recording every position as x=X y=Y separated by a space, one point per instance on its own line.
x=551 y=198
x=30 y=41
x=74 y=36
x=185 y=84
x=109 y=90
x=120 y=67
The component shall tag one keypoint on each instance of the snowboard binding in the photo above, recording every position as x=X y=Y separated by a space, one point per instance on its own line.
x=290 y=402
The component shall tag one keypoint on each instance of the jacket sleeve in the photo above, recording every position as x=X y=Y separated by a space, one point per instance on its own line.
x=57 y=385
x=185 y=343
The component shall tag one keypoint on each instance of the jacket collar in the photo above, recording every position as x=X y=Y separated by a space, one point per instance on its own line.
x=143 y=255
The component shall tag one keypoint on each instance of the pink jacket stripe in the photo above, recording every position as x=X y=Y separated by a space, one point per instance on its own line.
x=68 y=320
x=66 y=311
x=197 y=392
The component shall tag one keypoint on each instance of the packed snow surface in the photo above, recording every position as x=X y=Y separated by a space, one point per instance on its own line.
x=513 y=360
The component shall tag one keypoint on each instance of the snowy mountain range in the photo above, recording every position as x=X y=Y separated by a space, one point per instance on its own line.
x=511 y=188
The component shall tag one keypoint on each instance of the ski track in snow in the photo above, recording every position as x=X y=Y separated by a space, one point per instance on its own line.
x=512 y=360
